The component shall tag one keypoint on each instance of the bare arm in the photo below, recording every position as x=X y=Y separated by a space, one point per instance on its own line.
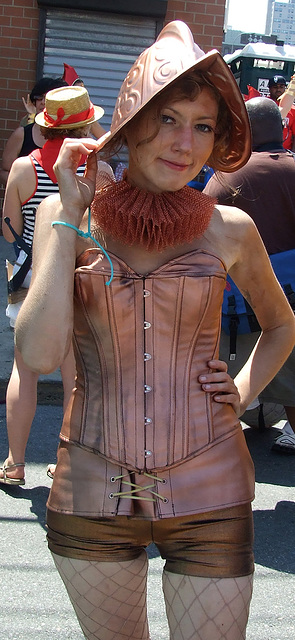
x=21 y=184
x=97 y=130
x=11 y=152
x=253 y=274
x=45 y=324
x=287 y=98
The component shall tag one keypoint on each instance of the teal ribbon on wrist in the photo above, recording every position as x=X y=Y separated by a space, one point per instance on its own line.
x=87 y=234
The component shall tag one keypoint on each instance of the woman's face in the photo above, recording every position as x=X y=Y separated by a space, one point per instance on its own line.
x=179 y=150
x=40 y=103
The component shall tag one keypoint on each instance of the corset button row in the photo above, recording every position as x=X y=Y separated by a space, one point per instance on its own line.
x=147 y=387
x=147 y=356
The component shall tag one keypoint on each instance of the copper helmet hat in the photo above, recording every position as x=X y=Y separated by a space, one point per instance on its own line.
x=68 y=108
x=172 y=55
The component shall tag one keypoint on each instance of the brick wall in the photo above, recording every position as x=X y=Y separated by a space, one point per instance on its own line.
x=204 y=18
x=19 y=25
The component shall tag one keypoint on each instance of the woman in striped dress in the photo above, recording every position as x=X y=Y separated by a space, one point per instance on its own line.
x=31 y=180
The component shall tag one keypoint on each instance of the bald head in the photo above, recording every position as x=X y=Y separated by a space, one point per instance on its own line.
x=266 y=122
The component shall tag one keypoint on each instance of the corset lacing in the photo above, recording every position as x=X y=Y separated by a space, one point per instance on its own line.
x=130 y=493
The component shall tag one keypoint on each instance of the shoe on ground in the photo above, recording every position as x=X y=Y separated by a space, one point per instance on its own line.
x=287 y=428
x=51 y=471
x=284 y=443
x=7 y=479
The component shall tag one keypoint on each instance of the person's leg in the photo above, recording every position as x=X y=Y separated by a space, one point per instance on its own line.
x=109 y=598
x=290 y=412
x=205 y=608
x=21 y=402
x=205 y=556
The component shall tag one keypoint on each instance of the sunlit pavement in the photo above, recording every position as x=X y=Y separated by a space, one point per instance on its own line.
x=34 y=604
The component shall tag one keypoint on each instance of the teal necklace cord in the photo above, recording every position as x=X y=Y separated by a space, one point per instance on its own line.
x=87 y=235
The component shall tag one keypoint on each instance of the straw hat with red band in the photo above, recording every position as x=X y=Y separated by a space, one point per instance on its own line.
x=68 y=108
x=172 y=55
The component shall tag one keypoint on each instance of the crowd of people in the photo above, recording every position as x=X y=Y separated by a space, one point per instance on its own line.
x=265 y=189
x=129 y=276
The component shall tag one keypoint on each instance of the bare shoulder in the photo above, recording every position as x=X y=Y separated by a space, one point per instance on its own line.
x=21 y=174
x=14 y=142
x=232 y=216
x=233 y=223
x=18 y=134
x=16 y=137
x=232 y=235
x=21 y=164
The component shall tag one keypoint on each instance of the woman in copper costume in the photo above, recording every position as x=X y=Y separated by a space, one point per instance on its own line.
x=151 y=446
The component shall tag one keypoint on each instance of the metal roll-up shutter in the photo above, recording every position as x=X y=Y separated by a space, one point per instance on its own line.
x=100 y=46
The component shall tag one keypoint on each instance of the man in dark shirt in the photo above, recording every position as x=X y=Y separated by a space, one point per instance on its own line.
x=265 y=189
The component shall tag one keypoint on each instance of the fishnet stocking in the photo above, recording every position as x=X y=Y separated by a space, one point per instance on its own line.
x=109 y=598
x=207 y=608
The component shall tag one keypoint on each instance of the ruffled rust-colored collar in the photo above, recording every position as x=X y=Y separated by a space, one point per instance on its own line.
x=153 y=220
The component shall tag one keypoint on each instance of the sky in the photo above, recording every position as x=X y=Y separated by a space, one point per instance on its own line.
x=247 y=15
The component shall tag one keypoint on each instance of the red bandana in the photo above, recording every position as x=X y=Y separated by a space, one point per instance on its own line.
x=152 y=220
x=47 y=156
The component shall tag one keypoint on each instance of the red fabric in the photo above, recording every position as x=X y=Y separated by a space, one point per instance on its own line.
x=252 y=93
x=289 y=129
x=69 y=75
x=47 y=156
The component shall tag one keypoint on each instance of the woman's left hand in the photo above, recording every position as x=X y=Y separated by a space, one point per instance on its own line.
x=219 y=383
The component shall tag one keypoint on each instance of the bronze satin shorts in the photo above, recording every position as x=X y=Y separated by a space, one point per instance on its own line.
x=217 y=544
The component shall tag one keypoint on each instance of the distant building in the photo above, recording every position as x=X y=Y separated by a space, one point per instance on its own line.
x=282 y=20
x=231 y=41
x=268 y=21
x=235 y=40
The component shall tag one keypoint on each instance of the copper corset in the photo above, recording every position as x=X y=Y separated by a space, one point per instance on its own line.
x=141 y=344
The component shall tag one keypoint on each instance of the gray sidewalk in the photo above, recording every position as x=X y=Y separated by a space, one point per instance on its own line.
x=34 y=605
x=49 y=387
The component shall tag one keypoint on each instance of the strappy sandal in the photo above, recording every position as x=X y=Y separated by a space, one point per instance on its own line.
x=11 y=481
x=51 y=471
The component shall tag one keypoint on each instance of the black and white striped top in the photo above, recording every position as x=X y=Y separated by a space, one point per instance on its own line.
x=45 y=187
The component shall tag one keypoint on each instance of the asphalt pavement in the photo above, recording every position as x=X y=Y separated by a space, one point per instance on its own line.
x=34 y=604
